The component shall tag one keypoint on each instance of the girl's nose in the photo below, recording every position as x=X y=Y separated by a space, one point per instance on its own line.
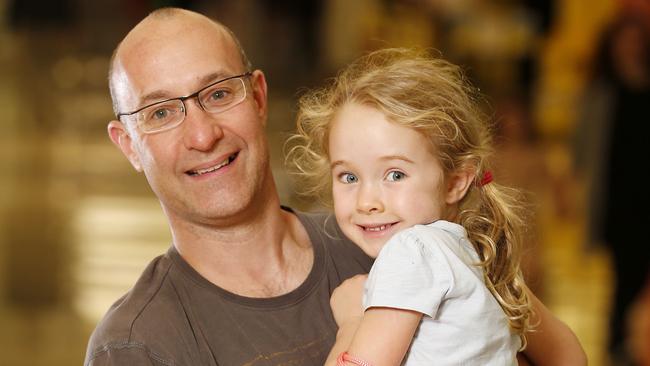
x=369 y=199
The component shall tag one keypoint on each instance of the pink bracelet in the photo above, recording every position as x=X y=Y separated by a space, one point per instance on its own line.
x=344 y=356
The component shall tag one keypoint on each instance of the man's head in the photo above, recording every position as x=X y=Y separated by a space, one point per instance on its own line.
x=212 y=167
x=162 y=15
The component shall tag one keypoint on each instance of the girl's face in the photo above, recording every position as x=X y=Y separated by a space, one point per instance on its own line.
x=385 y=177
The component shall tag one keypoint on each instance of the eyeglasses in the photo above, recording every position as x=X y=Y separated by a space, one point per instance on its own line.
x=215 y=98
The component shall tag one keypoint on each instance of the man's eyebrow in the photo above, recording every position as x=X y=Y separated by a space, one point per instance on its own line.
x=154 y=96
x=160 y=95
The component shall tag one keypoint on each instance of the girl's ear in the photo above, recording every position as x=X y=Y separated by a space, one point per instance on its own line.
x=457 y=185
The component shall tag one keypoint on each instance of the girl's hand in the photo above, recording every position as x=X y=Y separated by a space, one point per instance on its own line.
x=346 y=300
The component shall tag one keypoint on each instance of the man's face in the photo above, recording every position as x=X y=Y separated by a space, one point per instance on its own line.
x=211 y=168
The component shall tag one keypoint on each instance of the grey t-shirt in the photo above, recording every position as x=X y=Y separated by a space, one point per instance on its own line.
x=173 y=316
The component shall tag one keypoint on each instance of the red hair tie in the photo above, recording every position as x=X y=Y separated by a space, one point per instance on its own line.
x=487 y=178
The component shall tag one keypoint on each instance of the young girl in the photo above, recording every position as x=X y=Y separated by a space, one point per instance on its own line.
x=401 y=145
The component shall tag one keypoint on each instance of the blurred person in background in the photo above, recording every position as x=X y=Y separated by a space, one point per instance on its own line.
x=245 y=281
x=638 y=322
x=612 y=138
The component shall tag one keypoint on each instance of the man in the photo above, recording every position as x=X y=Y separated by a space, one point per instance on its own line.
x=245 y=282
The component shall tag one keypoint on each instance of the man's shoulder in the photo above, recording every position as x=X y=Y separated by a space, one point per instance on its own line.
x=128 y=326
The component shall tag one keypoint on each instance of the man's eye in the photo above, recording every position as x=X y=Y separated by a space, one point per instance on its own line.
x=218 y=94
x=395 y=175
x=348 y=178
x=160 y=113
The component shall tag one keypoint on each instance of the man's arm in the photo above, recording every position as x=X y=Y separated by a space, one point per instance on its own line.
x=552 y=343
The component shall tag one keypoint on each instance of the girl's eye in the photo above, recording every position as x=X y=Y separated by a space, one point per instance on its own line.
x=348 y=178
x=395 y=176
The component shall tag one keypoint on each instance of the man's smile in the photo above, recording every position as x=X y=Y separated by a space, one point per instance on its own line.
x=210 y=169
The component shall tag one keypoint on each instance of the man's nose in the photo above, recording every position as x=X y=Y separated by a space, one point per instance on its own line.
x=369 y=199
x=201 y=130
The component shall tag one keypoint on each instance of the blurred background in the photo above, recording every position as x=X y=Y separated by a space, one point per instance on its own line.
x=566 y=82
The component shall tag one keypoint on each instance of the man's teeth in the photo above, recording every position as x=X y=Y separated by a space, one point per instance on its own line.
x=214 y=168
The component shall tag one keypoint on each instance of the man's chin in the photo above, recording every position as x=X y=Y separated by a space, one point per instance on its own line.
x=206 y=211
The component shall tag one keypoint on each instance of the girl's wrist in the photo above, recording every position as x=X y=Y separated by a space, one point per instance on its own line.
x=346 y=357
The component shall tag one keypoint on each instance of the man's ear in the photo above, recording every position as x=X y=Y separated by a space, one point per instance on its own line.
x=259 y=91
x=457 y=185
x=121 y=138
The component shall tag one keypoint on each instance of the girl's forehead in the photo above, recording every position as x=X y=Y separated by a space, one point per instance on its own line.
x=360 y=130
x=353 y=116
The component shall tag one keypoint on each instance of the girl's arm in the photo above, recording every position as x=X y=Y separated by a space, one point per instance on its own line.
x=380 y=336
x=384 y=335
x=552 y=343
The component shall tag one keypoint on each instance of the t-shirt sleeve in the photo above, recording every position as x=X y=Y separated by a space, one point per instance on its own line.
x=408 y=274
x=125 y=354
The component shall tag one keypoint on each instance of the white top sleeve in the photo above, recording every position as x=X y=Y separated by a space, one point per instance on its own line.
x=432 y=269
x=408 y=275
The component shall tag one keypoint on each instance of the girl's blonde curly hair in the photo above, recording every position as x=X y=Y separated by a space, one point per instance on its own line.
x=433 y=97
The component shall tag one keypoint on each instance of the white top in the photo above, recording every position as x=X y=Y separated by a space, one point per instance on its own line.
x=429 y=269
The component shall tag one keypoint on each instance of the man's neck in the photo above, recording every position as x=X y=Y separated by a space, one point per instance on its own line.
x=267 y=255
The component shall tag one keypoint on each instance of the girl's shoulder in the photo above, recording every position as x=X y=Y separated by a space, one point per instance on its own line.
x=437 y=239
x=440 y=229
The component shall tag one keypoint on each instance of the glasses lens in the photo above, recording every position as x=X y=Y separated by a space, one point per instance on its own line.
x=161 y=116
x=223 y=96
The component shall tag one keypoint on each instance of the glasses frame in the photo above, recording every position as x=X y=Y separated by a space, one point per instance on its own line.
x=183 y=99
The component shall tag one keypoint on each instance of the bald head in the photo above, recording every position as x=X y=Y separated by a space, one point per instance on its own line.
x=161 y=25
